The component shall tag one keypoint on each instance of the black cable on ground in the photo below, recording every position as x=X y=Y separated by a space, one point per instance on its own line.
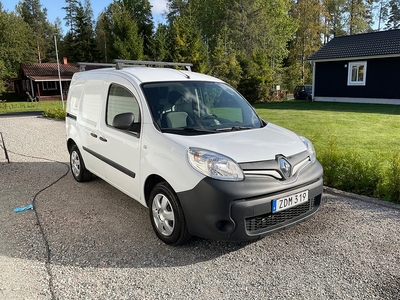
x=45 y=240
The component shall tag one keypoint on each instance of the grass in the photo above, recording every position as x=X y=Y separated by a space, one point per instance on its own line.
x=11 y=103
x=371 y=130
x=357 y=144
x=12 y=107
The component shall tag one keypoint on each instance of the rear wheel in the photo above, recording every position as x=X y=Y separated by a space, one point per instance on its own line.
x=78 y=168
x=166 y=215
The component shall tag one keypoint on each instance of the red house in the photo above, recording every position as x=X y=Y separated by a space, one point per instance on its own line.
x=42 y=81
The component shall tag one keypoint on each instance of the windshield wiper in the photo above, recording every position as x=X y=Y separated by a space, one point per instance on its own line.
x=190 y=129
x=199 y=129
x=234 y=128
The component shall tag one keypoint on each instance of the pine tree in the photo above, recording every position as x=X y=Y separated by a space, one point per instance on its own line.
x=160 y=45
x=140 y=12
x=393 y=20
x=333 y=18
x=71 y=12
x=36 y=17
x=123 y=38
x=359 y=16
x=79 y=42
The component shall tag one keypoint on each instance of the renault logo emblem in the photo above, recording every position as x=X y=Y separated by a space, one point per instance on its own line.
x=285 y=167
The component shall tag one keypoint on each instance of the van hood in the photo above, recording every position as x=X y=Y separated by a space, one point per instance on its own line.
x=247 y=145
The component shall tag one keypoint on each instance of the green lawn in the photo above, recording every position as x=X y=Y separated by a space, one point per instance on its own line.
x=373 y=130
x=10 y=107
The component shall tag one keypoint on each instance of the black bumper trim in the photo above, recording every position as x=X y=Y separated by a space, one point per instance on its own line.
x=218 y=210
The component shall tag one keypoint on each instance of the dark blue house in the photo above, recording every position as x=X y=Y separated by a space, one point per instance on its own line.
x=362 y=68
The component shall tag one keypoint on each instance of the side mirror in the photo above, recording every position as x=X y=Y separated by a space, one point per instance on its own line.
x=123 y=121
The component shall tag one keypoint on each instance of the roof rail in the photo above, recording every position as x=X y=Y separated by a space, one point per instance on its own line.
x=82 y=65
x=120 y=63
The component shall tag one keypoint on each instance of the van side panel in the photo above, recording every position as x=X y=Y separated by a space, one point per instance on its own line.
x=91 y=103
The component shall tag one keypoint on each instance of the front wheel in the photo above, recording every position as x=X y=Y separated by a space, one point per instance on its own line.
x=78 y=166
x=166 y=215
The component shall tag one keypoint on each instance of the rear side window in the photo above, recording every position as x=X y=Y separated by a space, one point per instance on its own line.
x=91 y=101
x=121 y=100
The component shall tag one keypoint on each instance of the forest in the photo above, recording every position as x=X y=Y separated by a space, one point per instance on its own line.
x=253 y=45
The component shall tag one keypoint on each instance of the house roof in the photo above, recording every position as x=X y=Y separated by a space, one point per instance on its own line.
x=374 y=44
x=46 y=70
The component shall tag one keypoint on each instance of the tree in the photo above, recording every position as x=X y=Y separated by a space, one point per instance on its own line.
x=103 y=37
x=140 y=12
x=359 y=16
x=224 y=61
x=32 y=13
x=334 y=20
x=259 y=31
x=307 y=39
x=71 y=11
x=159 y=44
x=124 y=39
x=393 y=20
x=186 y=43
x=79 y=42
x=16 y=45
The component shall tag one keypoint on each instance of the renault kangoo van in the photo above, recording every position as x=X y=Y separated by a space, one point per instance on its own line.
x=190 y=148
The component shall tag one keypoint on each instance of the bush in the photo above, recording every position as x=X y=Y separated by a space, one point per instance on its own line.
x=55 y=113
x=350 y=172
x=389 y=187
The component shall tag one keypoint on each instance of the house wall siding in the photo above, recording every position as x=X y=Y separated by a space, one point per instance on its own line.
x=382 y=81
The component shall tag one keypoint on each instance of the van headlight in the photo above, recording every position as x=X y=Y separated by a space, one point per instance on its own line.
x=214 y=165
x=310 y=148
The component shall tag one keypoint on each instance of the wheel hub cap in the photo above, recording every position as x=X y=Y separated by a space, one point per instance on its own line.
x=163 y=215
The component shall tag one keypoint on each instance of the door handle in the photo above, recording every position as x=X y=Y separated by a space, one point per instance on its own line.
x=93 y=135
x=102 y=139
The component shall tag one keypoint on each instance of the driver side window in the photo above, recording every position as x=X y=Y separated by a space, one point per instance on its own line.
x=122 y=102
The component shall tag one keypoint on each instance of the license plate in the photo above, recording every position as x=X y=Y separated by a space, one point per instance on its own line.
x=289 y=201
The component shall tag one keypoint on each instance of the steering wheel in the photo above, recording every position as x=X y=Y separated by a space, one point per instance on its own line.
x=209 y=120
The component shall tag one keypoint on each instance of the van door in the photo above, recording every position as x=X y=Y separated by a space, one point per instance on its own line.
x=90 y=108
x=121 y=145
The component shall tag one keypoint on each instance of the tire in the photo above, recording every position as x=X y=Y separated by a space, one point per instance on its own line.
x=166 y=215
x=77 y=165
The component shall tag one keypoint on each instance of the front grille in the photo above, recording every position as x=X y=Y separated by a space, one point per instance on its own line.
x=262 y=222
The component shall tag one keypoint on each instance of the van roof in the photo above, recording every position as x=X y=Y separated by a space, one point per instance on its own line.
x=143 y=71
x=147 y=74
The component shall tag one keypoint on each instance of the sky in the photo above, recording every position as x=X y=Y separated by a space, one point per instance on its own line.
x=54 y=8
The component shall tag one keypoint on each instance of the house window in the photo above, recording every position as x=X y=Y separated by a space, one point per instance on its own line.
x=49 y=85
x=357 y=73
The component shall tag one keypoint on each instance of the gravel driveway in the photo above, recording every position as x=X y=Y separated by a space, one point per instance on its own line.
x=90 y=241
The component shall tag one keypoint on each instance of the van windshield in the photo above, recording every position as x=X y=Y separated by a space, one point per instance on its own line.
x=199 y=107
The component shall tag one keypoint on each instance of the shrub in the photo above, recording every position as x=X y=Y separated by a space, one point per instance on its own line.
x=389 y=187
x=55 y=113
x=349 y=171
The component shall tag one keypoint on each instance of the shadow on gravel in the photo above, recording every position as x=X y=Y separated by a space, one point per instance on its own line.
x=86 y=225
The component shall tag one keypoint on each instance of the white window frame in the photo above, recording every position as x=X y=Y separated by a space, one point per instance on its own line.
x=45 y=86
x=357 y=64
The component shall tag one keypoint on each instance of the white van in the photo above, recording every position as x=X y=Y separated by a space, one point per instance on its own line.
x=191 y=149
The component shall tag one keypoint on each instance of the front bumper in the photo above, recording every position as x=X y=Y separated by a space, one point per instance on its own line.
x=239 y=211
